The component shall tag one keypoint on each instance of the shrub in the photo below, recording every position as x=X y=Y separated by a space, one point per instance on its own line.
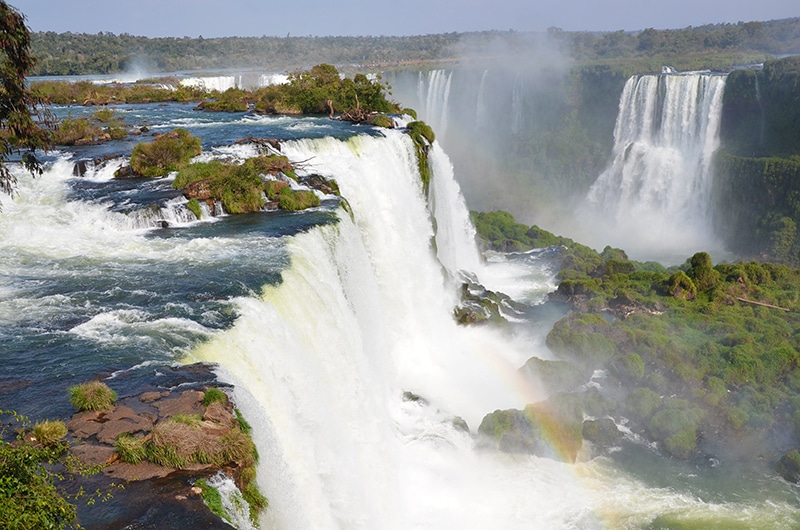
x=49 y=432
x=131 y=450
x=28 y=495
x=642 y=402
x=168 y=152
x=92 y=396
x=73 y=131
x=293 y=201
x=214 y=395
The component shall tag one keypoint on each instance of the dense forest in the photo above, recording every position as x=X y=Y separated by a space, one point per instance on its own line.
x=105 y=53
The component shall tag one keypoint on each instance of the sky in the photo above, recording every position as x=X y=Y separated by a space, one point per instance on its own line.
x=245 y=18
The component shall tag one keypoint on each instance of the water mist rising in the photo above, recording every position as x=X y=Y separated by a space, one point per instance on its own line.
x=654 y=198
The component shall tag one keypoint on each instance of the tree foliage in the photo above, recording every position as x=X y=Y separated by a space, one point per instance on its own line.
x=23 y=125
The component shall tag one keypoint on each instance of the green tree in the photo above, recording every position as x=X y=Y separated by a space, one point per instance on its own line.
x=23 y=125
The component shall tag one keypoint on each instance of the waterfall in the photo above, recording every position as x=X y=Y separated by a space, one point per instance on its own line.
x=656 y=190
x=363 y=315
x=433 y=89
x=481 y=111
x=516 y=103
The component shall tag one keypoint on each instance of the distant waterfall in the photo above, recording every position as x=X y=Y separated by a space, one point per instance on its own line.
x=434 y=90
x=656 y=191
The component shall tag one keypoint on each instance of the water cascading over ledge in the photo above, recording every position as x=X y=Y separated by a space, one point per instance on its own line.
x=655 y=196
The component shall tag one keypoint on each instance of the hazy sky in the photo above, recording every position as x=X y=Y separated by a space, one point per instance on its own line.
x=223 y=18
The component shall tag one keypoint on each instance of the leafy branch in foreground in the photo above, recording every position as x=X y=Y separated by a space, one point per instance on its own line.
x=24 y=126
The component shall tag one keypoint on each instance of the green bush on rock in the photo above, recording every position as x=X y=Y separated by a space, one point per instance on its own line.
x=168 y=152
x=92 y=396
x=241 y=188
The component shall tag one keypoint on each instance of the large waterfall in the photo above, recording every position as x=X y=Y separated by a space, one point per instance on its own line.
x=362 y=316
x=655 y=194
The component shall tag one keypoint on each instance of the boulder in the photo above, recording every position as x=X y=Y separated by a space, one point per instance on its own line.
x=199 y=190
x=602 y=432
x=551 y=428
x=789 y=466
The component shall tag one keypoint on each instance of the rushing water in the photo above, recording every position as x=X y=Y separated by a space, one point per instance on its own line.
x=323 y=320
x=656 y=193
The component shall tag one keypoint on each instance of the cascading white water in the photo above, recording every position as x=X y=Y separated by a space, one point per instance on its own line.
x=362 y=315
x=218 y=83
x=433 y=89
x=656 y=191
x=455 y=234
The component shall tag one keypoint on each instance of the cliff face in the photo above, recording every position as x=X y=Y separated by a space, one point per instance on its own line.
x=757 y=178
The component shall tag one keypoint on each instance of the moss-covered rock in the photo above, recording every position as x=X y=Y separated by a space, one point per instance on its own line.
x=423 y=137
x=551 y=428
x=603 y=432
x=241 y=188
x=555 y=376
x=789 y=466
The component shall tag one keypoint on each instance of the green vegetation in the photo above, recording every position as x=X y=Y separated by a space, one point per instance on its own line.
x=214 y=395
x=48 y=433
x=24 y=125
x=241 y=187
x=92 y=396
x=131 y=450
x=423 y=137
x=88 y=93
x=168 y=152
x=718 y=338
x=212 y=498
x=321 y=90
x=293 y=201
x=103 y=125
x=757 y=170
x=193 y=206
x=31 y=469
x=28 y=494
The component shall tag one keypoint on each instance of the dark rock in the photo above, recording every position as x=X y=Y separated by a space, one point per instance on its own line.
x=93 y=454
x=79 y=169
x=410 y=396
x=124 y=172
x=155 y=504
x=789 y=466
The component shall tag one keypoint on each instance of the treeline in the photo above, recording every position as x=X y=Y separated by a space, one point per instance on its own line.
x=105 y=53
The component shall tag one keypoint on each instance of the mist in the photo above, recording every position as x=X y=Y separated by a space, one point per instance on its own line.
x=530 y=134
